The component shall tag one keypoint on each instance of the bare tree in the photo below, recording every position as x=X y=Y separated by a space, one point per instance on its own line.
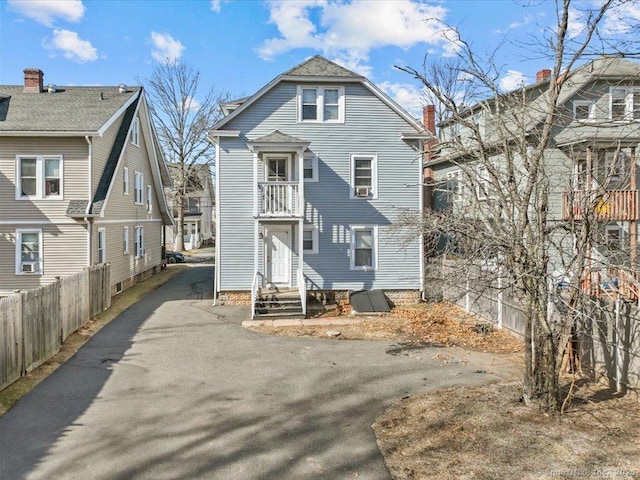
x=183 y=116
x=501 y=219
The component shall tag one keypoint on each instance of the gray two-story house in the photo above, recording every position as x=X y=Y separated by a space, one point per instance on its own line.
x=313 y=172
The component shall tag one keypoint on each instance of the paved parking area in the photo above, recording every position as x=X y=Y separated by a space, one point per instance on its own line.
x=174 y=388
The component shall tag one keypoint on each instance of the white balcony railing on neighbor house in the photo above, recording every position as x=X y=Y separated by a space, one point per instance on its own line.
x=278 y=199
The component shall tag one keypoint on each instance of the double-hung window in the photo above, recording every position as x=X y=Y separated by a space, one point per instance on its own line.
x=102 y=245
x=363 y=252
x=139 y=241
x=125 y=240
x=364 y=176
x=135 y=132
x=28 y=252
x=583 y=110
x=310 y=239
x=39 y=177
x=149 y=199
x=321 y=104
x=310 y=167
x=125 y=181
x=624 y=103
x=137 y=188
x=455 y=186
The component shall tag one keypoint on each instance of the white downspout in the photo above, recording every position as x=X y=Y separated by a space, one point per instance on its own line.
x=90 y=196
x=216 y=277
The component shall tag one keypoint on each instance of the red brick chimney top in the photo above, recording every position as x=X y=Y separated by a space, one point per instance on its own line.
x=543 y=75
x=33 y=80
x=429 y=118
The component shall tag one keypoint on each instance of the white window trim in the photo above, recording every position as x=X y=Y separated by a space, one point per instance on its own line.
x=125 y=233
x=617 y=173
x=135 y=131
x=628 y=104
x=583 y=103
x=102 y=254
x=139 y=240
x=138 y=186
x=615 y=228
x=40 y=177
x=314 y=239
x=149 y=199
x=458 y=192
x=373 y=194
x=40 y=263
x=314 y=166
x=352 y=248
x=125 y=180
x=320 y=103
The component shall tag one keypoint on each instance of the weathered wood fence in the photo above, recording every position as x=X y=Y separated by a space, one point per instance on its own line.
x=34 y=323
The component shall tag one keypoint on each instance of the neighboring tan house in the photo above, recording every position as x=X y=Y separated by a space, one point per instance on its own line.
x=313 y=172
x=81 y=183
x=592 y=163
x=198 y=228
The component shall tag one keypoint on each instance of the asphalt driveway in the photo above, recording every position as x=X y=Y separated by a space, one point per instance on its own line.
x=174 y=388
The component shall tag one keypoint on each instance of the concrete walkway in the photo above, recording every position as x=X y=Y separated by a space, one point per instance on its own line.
x=174 y=388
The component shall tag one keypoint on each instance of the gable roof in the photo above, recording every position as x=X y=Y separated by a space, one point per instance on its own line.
x=70 y=110
x=318 y=69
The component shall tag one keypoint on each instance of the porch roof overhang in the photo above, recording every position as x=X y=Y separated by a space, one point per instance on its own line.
x=277 y=141
x=624 y=134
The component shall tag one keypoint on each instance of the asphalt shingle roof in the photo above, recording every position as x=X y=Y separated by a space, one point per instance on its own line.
x=320 y=66
x=69 y=109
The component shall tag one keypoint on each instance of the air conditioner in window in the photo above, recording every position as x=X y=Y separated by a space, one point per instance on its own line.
x=362 y=192
x=30 y=267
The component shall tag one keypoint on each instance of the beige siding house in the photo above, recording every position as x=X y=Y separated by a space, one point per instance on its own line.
x=81 y=182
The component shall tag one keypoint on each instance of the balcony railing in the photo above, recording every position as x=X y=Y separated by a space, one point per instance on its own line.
x=278 y=199
x=612 y=283
x=613 y=205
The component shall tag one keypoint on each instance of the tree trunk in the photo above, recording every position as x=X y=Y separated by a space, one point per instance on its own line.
x=179 y=199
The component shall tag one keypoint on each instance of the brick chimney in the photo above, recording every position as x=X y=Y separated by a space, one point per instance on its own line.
x=33 y=80
x=429 y=118
x=543 y=75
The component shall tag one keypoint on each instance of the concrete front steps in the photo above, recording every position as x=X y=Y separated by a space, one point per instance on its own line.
x=278 y=303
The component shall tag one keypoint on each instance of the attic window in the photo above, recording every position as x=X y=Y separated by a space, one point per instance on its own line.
x=321 y=104
x=624 y=103
x=583 y=109
x=135 y=132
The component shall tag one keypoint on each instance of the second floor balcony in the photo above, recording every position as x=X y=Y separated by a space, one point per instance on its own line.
x=278 y=200
x=613 y=205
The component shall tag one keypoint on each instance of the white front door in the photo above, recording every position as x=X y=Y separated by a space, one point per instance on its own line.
x=278 y=255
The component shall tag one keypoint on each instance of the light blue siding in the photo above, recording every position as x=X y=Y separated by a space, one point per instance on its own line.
x=370 y=127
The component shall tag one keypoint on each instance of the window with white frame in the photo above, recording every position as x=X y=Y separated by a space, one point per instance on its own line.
x=135 y=131
x=149 y=199
x=624 y=103
x=321 y=104
x=310 y=167
x=310 y=239
x=29 y=256
x=39 y=177
x=139 y=241
x=583 y=109
x=363 y=252
x=615 y=163
x=102 y=245
x=364 y=176
x=125 y=181
x=614 y=236
x=125 y=240
x=483 y=186
x=138 y=193
x=455 y=186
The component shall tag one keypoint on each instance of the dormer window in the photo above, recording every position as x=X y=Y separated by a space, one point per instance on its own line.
x=624 y=104
x=583 y=110
x=321 y=104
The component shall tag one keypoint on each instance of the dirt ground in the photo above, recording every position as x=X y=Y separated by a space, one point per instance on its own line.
x=486 y=432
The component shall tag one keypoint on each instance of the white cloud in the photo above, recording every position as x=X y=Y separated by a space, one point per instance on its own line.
x=575 y=24
x=622 y=18
x=512 y=80
x=72 y=46
x=46 y=11
x=216 y=5
x=411 y=98
x=166 y=49
x=192 y=104
x=349 y=30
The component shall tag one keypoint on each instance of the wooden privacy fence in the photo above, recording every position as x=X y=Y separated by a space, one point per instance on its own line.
x=34 y=323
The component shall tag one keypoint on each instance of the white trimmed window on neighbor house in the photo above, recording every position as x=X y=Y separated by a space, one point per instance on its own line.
x=29 y=251
x=135 y=131
x=139 y=241
x=310 y=167
x=39 y=177
x=138 y=193
x=363 y=251
x=310 y=239
x=364 y=176
x=102 y=245
x=321 y=104
x=584 y=110
x=125 y=240
x=125 y=181
x=624 y=103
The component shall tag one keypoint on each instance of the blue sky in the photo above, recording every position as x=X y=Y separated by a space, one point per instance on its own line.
x=240 y=45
